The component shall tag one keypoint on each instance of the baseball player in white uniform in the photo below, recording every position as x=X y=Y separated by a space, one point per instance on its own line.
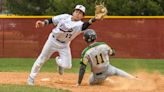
x=67 y=28
x=97 y=55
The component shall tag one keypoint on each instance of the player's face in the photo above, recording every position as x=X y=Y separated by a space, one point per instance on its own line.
x=77 y=15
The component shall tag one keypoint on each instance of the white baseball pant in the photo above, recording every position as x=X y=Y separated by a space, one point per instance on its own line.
x=52 y=45
x=99 y=78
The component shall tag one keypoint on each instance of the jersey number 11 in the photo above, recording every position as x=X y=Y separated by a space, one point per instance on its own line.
x=99 y=59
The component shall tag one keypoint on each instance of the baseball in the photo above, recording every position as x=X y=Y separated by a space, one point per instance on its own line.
x=102 y=10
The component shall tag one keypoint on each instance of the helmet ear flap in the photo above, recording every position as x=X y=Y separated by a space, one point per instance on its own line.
x=89 y=40
x=93 y=37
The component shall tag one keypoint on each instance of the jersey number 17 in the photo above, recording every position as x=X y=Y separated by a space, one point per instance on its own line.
x=68 y=36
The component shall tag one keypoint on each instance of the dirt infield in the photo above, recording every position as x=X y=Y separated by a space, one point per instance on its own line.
x=151 y=82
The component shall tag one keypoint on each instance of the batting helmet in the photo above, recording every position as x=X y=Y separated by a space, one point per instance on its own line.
x=89 y=35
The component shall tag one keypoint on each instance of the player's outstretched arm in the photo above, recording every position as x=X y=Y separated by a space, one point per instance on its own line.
x=40 y=23
x=81 y=73
x=88 y=23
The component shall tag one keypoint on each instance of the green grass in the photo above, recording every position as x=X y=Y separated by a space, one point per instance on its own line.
x=25 y=88
x=132 y=65
x=129 y=65
x=25 y=64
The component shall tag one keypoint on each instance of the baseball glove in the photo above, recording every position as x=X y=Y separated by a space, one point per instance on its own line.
x=100 y=11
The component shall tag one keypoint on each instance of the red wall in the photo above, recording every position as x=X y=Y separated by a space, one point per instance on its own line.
x=1 y=38
x=132 y=38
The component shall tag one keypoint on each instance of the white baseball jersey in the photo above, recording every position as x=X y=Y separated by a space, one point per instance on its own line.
x=66 y=29
x=97 y=55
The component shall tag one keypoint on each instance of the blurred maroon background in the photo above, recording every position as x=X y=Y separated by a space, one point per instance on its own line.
x=132 y=38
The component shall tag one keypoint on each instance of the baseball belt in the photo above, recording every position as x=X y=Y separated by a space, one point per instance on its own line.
x=58 y=39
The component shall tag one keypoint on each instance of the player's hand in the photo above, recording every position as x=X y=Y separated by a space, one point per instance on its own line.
x=100 y=11
x=98 y=17
x=39 y=24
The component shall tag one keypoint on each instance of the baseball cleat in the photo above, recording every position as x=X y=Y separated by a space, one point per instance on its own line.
x=60 y=70
x=30 y=81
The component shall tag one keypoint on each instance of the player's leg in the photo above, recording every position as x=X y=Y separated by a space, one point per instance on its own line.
x=92 y=79
x=59 y=68
x=115 y=71
x=64 y=60
x=96 y=79
x=47 y=51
